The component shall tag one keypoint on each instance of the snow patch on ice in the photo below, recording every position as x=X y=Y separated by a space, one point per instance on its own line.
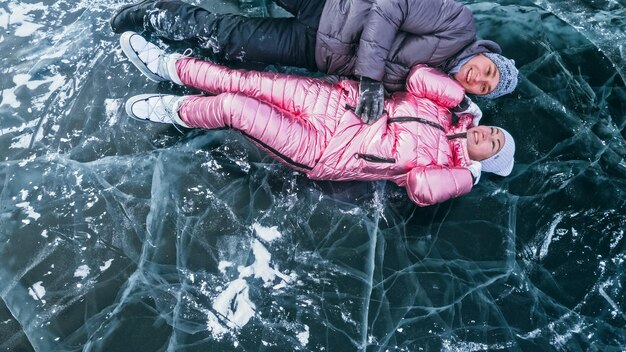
x=30 y=212
x=19 y=16
x=543 y=251
x=111 y=108
x=463 y=346
x=223 y=265
x=9 y=97
x=82 y=271
x=37 y=291
x=21 y=141
x=303 y=337
x=266 y=233
x=27 y=29
x=233 y=305
x=106 y=265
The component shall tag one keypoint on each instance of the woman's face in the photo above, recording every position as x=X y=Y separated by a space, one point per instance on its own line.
x=484 y=142
x=479 y=75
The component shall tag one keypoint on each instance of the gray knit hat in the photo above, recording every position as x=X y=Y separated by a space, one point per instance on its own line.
x=508 y=75
x=502 y=162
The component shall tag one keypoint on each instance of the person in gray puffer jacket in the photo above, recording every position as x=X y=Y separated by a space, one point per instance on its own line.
x=377 y=41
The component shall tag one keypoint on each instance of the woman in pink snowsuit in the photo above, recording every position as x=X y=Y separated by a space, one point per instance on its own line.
x=309 y=123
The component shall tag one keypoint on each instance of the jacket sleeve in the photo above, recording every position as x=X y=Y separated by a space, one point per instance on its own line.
x=428 y=82
x=432 y=185
x=445 y=26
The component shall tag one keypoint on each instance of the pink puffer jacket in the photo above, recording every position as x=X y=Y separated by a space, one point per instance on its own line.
x=309 y=124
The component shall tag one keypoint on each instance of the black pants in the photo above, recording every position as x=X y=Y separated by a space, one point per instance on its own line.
x=236 y=38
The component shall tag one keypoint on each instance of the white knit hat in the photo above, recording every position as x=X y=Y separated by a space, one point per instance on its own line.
x=502 y=162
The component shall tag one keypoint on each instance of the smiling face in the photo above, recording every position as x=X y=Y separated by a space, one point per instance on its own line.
x=484 y=142
x=479 y=75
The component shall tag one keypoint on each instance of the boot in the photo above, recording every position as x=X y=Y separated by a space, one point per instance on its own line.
x=131 y=17
x=156 y=108
x=151 y=60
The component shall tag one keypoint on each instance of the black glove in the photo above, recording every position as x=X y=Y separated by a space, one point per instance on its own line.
x=467 y=106
x=370 y=105
x=463 y=105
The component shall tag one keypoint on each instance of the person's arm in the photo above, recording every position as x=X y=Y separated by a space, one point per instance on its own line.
x=467 y=106
x=371 y=100
x=428 y=82
x=441 y=28
x=379 y=31
x=432 y=185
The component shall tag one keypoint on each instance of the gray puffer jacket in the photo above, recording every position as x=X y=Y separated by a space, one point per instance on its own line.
x=383 y=39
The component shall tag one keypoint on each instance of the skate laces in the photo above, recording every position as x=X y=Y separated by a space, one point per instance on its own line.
x=159 y=109
x=150 y=55
x=163 y=63
x=169 y=107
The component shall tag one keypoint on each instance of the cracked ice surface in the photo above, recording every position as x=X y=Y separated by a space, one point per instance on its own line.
x=122 y=236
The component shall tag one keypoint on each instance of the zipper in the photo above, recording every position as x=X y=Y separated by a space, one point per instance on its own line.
x=274 y=151
x=379 y=159
x=458 y=135
x=427 y=122
x=374 y=158
x=416 y=119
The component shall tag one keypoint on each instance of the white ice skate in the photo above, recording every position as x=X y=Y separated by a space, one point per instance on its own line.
x=156 y=108
x=151 y=60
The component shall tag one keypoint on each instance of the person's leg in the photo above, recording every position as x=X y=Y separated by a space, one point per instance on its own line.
x=284 y=41
x=255 y=8
x=306 y=11
x=292 y=139
x=290 y=92
x=131 y=17
x=319 y=102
